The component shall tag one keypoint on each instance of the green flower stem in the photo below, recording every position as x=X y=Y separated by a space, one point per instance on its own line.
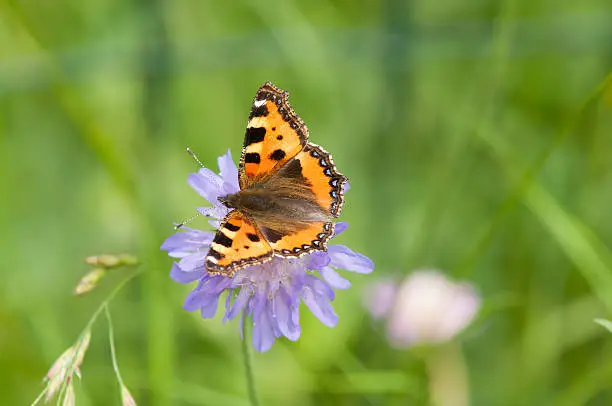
x=248 y=366
x=111 y=341
x=448 y=376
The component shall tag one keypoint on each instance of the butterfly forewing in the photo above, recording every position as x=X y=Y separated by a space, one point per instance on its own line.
x=274 y=135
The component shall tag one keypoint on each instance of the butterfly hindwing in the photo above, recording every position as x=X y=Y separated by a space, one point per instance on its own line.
x=313 y=237
x=322 y=177
x=274 y=135
x=237 y=244
x=320 y=186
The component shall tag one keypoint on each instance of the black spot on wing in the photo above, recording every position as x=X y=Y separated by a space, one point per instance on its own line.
x=215 y=254
x=222 y=239
x=253 y=237
x=252 y=158
x=231 y=227
x=259 y=111
x=279 y=137
x=277 y=155
x=254 y=135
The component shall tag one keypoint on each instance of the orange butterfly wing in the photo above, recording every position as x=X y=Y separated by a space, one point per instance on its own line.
x=312 y=238
x=236 y=245
x=274 y=135
x=321 y=175
x=326 y=184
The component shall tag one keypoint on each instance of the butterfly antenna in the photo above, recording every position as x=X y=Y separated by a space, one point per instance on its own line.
x=194 y=156
x=189 y=220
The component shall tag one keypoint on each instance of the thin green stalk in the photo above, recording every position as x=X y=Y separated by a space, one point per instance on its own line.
x=248 y=366
x=39 y=398
x=111 y=341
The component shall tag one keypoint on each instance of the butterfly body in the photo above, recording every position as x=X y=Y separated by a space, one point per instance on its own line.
x=290 y=191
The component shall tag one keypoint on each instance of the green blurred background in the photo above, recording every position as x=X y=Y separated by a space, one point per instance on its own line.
x=477 y=136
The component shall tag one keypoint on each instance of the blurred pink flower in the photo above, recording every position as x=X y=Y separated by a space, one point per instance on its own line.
x=426 y=308
x=379 y=298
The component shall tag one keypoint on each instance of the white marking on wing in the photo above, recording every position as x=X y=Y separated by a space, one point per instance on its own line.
x=228 y=233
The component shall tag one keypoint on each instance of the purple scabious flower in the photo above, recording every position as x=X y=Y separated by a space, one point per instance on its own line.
x=269 y=293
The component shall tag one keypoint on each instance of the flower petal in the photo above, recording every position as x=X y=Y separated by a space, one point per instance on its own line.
x=207 y=184
x=193 y=262
x=209 y=308
x=320 y=287
x=181 y=276
x=334 y=279
x=182 y=243
x=317 y=294
x=206 y=296
x=344 y=258
x=263 y=334
x=466 y=303
x=283 y=314
x=194 y=300
x=228 y=304
x=318 y=260
x=320 y=307
x=229 y=173
x=339 y=227
x=241 y=300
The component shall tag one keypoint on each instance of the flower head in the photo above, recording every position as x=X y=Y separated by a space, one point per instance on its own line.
x=269 y=293
x=426 y=307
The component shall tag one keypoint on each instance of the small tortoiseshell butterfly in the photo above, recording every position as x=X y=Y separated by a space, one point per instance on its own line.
x=290 y=191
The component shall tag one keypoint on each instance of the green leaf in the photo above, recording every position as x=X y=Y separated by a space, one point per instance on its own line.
x=605 y=323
